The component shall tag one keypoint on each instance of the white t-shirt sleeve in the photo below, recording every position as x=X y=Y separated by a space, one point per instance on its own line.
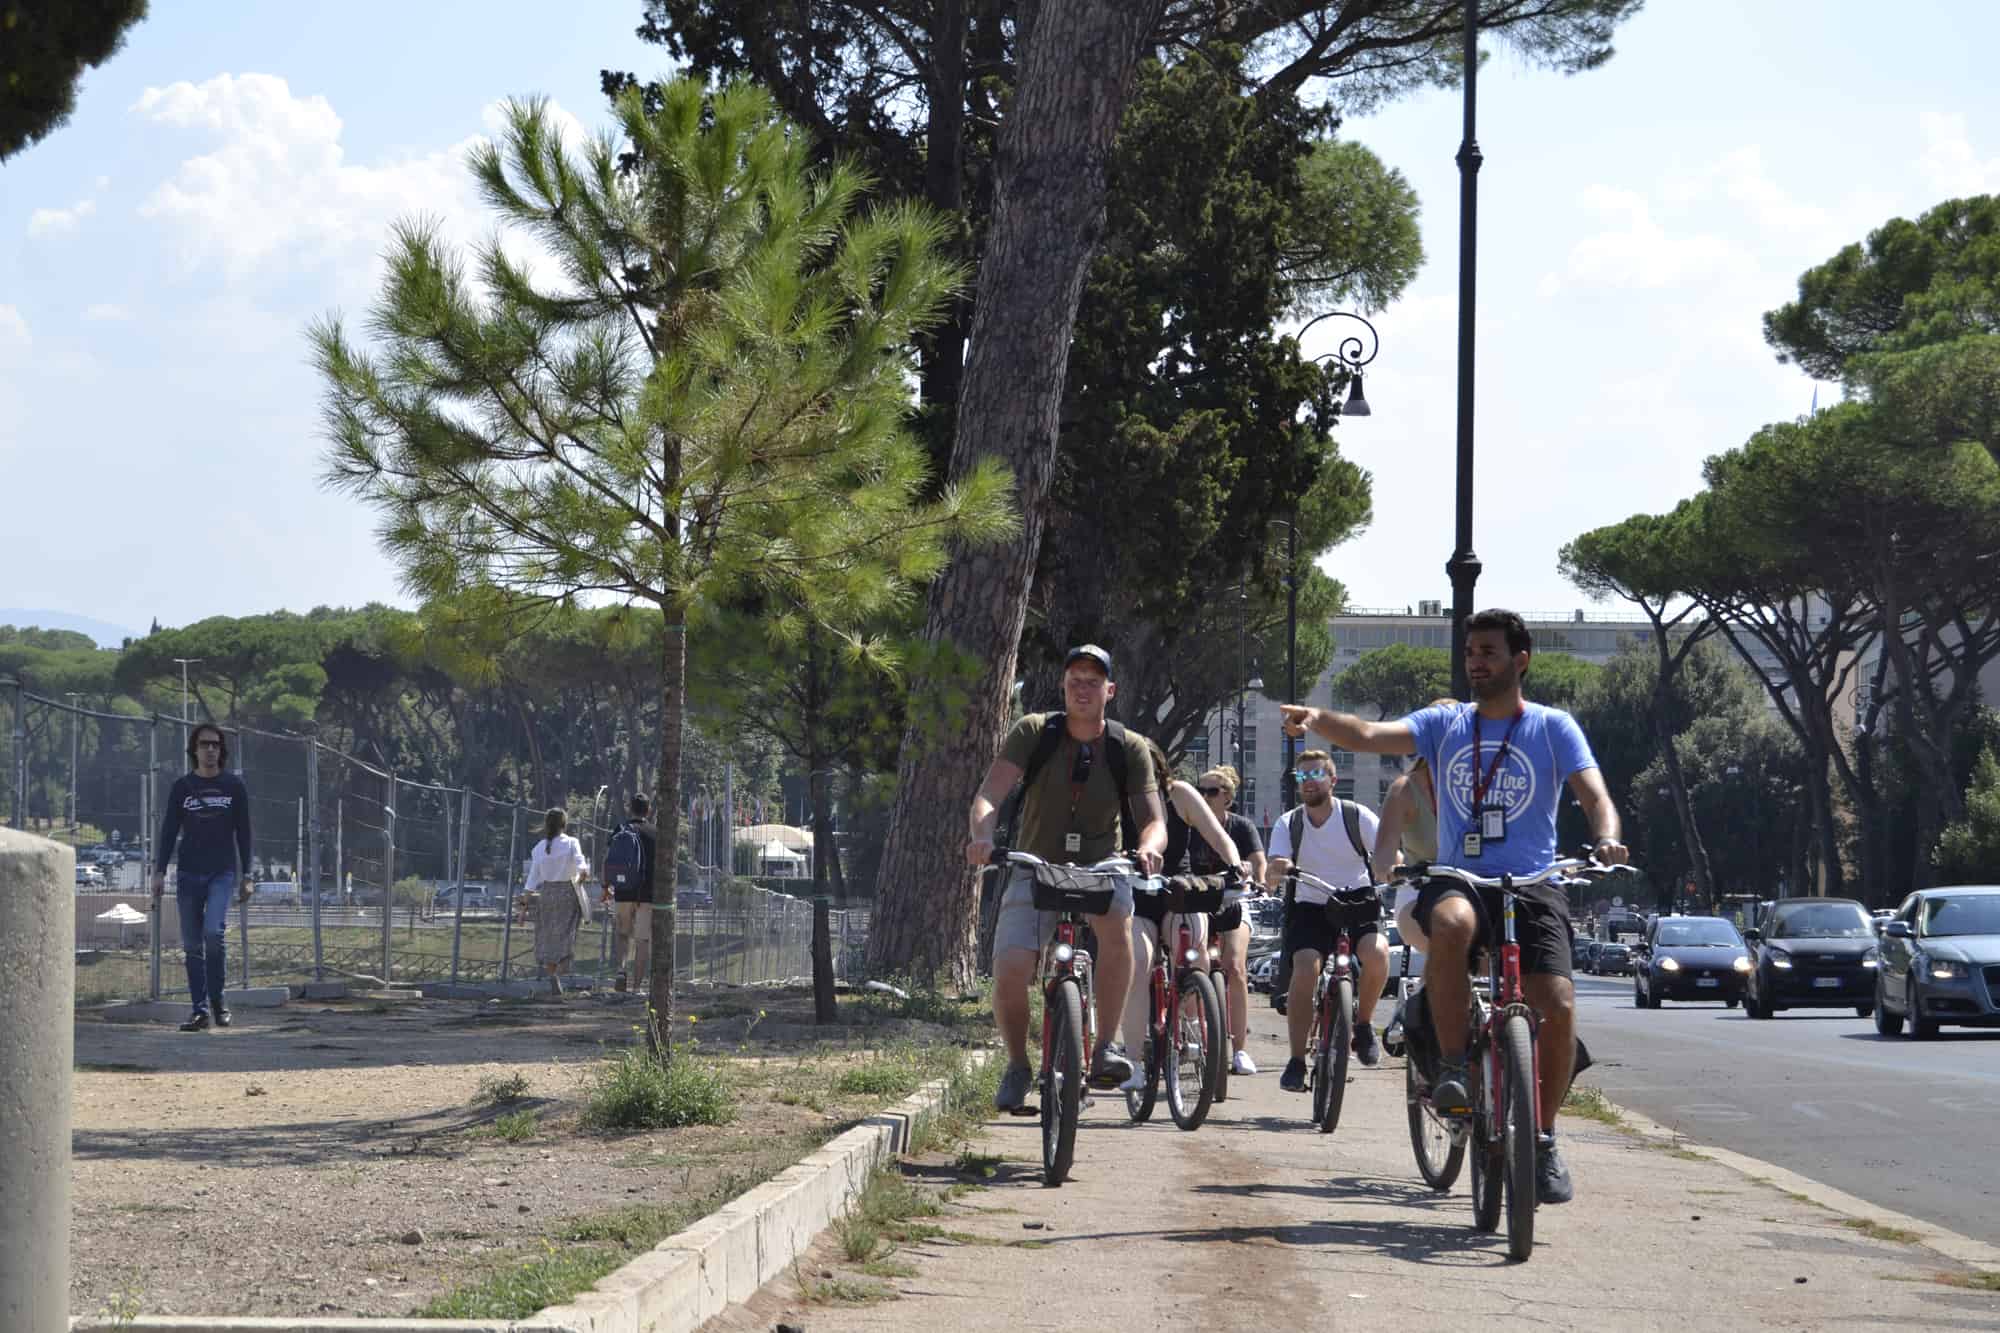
x=1281 y=838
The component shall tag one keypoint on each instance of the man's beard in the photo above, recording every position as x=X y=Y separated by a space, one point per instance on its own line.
x=1495 y=686
x=1325 y=797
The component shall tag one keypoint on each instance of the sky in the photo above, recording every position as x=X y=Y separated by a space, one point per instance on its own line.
x=233 y=174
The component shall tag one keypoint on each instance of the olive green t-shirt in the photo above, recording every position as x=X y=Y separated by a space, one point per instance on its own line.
x=1054 y=807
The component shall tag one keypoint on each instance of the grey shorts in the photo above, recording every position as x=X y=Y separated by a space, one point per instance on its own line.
x=1021 y=927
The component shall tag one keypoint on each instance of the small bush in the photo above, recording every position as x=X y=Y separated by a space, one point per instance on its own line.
x=494 y=1091
x=641 y=1090
x=517 y=1126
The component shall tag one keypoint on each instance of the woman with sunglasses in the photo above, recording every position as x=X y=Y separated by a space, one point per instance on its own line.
x=1218 y=788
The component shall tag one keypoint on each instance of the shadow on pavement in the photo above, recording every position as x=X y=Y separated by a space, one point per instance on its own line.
x=1385 y=1190
x=1943 y=1038
x=1412 y=1242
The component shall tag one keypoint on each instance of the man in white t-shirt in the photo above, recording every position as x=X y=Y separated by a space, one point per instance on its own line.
x=1334 y=851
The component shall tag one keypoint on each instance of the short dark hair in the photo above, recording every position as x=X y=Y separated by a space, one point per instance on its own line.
x=194 y=740
x=1506 y=622
x=640 y=805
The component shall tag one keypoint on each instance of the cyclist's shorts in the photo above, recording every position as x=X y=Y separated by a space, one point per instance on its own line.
x=1228 y=919
x=1542 y=932
x=1312 y=926
x=1020 y=926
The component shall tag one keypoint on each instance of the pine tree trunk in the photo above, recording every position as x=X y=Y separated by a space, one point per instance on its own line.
x=1047 y=217
x=667 y=823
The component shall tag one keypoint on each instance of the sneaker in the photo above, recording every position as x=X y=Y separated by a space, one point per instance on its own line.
x=197 y=1022
x=1366 y=1048
x=1278 y=1001
x=1451 y=1095
x=1112 y=1067
x=1242 y=1064
x=1552 y=1182
x=1013 y=1093
x=1137 y=1082
x=223 y=1018
x=1294 y=1077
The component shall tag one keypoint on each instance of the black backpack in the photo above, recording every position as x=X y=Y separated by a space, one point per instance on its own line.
x=1046 y=745
x=624 y=857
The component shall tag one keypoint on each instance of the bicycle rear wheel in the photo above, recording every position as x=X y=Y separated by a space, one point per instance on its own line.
x=1139 y=1102
x=1440 y=1150
x=1333 y=1061
x=1517 y=1131
x=1062 y=1080
x=1193 y=1038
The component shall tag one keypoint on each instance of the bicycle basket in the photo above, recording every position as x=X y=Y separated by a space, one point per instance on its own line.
x=1183 y=893
x=1060 y=888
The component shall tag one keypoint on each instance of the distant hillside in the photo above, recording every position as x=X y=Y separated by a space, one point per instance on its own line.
x=106 y=634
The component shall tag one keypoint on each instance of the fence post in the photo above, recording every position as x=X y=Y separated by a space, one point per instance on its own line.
x=388 y=870
x=37 y=1046
x=312 y=852
x=21 y=762
x=458 y=880
x=513 y=860
x=146 y=872
x=339 y=859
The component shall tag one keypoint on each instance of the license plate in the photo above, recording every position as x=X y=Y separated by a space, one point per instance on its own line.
x=1708 y=981
x=1826 y=983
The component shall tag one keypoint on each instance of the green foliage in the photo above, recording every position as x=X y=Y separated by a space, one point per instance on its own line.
x=1968 y=852
x=44 y=51
x=1560 y=680
x=499 y=1090
x=518 y=1126
x=642 y=1089
x=1396 y=680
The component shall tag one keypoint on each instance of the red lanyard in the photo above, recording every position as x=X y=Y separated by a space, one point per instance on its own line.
x=1480 y=788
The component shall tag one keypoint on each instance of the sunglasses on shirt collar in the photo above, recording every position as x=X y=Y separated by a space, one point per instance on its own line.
x=1079 y=772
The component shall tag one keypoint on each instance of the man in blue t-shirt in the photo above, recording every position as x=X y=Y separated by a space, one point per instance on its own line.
x=1500 y=767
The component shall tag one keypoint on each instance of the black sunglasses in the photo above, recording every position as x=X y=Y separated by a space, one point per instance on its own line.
x=208 y=745
x=1080 y=772
x=1211 y=791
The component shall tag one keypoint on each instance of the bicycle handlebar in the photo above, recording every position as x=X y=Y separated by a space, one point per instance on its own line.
x=1354 y=894
x=1111 y=867
x=1568 y=870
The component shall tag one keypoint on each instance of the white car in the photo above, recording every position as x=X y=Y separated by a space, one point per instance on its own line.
x=275 y=893
x=89 y=875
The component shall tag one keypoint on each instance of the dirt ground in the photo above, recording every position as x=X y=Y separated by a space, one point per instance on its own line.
x=338 y=1159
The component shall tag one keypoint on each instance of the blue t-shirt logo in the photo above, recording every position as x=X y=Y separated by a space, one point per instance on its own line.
x=1546 y=748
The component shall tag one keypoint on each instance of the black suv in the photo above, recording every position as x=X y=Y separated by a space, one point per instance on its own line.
x=1690 y=958
x=1812 y=953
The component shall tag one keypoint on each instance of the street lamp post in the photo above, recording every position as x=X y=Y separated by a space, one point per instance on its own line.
x=74 y=718
x=1463 y=567
x=186 y=662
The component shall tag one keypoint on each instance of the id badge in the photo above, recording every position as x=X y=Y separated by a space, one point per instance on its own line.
x=1492 y=823
x=1474 y=844
x=1072 y=842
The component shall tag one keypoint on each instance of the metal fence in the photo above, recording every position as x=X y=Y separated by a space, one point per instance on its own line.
x=358 y=874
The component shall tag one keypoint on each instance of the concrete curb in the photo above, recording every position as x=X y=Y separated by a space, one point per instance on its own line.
x=248 y=1324
x=723 y=1259
x=1951 y=1244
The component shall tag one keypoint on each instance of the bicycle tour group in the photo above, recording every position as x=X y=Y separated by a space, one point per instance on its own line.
x=1121 y=905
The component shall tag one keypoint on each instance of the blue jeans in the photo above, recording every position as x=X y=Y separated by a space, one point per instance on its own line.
x=204 y=903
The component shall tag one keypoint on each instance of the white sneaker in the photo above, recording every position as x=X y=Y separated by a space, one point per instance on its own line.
x=1136 y=1083
x=1243 y=1064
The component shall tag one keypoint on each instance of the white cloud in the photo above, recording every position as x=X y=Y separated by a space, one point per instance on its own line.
x=13 y=331
x=1950 y=162
x=107 y=313
x=1637 y=251
x=47 y=221
x=278 y=191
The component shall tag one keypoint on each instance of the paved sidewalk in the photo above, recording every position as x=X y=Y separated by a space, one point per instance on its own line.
x=1256 y=1220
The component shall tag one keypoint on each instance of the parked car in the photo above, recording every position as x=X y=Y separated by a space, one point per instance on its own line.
x=1690 y=958
x=274 y=893
x=1260 y=970
x=88 y=876
x=1940 y=962
x=1812 y=953
x=1579 y=953
x=694 y=900
x=1396 y=951
x=1590 y=948
x=1612 y=957
x=478 y=898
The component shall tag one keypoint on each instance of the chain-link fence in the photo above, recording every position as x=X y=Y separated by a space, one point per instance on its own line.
x=357 y=874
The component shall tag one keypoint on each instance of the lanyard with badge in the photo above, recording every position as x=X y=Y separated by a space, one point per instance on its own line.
x=1079 y=778
x=1489 y=822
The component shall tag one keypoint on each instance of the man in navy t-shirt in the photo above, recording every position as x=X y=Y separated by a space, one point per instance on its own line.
x=1500 y=767
x=208 y=815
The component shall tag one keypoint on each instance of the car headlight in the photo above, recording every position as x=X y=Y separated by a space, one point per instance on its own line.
x=1670 y=965
x=1945 y=969
x=1742 y=964
x=1871 y=959
x=1780 y=959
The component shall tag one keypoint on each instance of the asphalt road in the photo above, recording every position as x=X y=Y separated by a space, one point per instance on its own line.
x=1909 y=1125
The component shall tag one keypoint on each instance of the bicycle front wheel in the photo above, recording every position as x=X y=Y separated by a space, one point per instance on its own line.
x=1195 y=1035
x=1139 y=1102
x=1489 y=1156
x=1333 y=1060
x=1517 y=1132
x=1062 y=1081
x=1440 y=1151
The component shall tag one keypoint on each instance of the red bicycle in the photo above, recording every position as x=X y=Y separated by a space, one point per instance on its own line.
x=1506 y=1115
x=1332 y=1038
x=1187 y=1043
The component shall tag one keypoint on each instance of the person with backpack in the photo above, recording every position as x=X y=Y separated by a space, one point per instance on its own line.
x=628 y=885
x=1328 y=838
x=1080 y=788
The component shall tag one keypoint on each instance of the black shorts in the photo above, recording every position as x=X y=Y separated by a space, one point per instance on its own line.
x=1543 y=933
x=1313 y=926
x=1228 y=919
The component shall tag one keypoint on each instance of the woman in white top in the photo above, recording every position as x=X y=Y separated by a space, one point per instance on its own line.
x=554 y=867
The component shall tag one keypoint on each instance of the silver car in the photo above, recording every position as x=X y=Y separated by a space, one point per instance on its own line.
x=1940 y=962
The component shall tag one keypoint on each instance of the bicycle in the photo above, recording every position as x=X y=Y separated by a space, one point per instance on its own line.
x=1332 y=1035
x=1186 y=1010
x=1068 y=1016
x=1506 y=1115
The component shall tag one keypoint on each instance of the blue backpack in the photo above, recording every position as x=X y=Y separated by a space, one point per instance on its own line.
x=623 y=858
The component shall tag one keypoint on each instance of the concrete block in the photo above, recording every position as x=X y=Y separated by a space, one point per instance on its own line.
x=38 y=996
x=257 y=997
x=803 y=1203
x=323 y=990
x=144 y=1011
x=482 y=990
x=728 y=1240
x=664 y=1291
x=595 y=1311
